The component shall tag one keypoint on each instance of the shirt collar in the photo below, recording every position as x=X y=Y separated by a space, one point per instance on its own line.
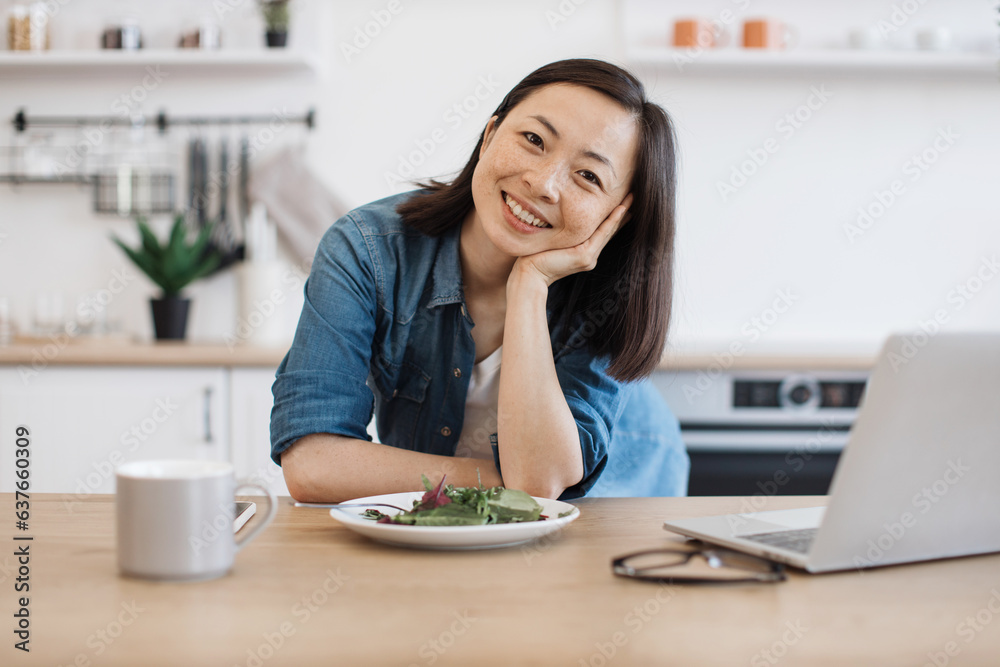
x=447 y=275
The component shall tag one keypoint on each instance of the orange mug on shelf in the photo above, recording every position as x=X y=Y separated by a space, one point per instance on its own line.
x=768 y=34
x=698 y=32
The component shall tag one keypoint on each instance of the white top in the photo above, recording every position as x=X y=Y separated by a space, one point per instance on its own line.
x=481 y=409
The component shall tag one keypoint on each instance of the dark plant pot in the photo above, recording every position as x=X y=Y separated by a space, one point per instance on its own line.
x=170 y=317
x=276 y=39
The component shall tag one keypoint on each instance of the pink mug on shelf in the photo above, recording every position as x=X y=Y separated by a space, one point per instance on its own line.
x=698 y=32
x=768 y=34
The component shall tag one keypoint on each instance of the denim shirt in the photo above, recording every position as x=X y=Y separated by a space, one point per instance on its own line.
x=384 y=330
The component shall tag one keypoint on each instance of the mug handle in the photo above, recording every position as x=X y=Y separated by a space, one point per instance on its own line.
x=272 y=509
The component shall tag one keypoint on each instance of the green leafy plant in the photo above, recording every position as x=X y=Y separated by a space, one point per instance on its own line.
x=276 y=14
x=176 y=264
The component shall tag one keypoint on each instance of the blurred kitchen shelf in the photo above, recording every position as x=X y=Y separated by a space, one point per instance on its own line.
x=910 y=64
x=177 y=60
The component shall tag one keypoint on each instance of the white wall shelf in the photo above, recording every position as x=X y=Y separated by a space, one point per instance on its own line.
x=910 y=64
x=231 y=62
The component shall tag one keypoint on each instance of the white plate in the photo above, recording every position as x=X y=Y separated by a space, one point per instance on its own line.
x=451 y=537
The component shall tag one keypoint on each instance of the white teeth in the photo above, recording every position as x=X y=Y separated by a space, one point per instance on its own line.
x=524 y=215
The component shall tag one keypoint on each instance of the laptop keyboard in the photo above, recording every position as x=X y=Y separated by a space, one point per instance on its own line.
x=793 y=540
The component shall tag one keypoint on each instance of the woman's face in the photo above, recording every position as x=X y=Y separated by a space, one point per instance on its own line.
x=565 y=155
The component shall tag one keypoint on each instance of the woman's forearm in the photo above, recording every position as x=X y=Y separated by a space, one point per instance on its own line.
x=538 y=438
x=325 y=468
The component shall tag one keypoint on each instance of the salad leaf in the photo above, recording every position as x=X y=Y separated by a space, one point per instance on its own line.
x=443 y=505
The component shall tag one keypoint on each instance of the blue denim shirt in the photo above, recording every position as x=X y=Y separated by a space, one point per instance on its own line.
x=384 y=328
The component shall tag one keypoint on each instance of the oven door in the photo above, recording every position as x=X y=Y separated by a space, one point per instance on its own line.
x=751 y=463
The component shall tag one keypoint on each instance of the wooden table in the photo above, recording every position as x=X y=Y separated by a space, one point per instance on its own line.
x=310 y=592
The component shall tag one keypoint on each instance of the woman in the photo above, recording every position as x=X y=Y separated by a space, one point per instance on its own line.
x=551 y=251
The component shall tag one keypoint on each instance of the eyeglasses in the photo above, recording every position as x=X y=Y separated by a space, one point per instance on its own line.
x=705 y=565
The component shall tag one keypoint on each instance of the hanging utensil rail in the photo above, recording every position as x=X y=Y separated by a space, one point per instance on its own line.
x=162 y=121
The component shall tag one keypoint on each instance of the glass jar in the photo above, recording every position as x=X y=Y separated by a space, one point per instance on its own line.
x=28 y=27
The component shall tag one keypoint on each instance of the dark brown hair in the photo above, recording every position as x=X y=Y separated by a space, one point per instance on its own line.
x=622 y=307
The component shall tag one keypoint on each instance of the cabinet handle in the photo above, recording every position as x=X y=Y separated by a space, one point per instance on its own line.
x=208 y=414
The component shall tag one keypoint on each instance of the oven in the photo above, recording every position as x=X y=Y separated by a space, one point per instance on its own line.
x=768 y=432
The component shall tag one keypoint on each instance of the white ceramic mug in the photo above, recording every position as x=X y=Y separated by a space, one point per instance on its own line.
x=175 y=519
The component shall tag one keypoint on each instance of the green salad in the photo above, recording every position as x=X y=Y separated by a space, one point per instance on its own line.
x=465 y=506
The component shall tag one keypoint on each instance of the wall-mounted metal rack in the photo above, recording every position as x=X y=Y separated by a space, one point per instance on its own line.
x=161 y=121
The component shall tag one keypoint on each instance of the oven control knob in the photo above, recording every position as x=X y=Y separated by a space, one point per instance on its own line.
x=799 y=391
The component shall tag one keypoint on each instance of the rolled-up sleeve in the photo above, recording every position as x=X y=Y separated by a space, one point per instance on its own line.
x=596 y=401
x=320 y=385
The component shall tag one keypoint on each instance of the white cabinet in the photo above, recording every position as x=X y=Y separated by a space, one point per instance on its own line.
x=250 y=423
x=85 y=421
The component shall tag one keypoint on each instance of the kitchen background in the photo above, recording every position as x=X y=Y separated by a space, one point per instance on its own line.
x=829 y=193
x=408 y=98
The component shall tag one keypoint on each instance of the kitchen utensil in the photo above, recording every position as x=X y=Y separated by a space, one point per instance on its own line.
x=221 y=234
x=244 y=183
x=343 y=505
x=175 y=519
x=198 y=181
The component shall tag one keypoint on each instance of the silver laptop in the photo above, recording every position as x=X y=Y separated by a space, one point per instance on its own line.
x=919 y=478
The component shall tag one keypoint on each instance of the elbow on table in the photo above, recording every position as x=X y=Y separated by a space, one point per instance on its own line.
x=537 y=487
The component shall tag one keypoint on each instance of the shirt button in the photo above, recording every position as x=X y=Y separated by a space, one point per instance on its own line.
x=445 y=431
x=457 y=372
x=395 y=393
x=463 y=310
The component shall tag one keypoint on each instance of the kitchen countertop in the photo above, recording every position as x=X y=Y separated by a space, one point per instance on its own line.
x=123 y=352
x=705 y=356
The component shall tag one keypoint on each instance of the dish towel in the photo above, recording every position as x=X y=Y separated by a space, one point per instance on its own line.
x=301 y=207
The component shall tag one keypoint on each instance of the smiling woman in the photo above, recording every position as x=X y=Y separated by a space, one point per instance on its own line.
x=504 y=322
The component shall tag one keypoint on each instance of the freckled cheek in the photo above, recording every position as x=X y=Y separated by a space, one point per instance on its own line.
x=581 y=225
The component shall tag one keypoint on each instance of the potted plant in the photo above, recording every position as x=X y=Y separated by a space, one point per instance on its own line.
x=276 y=19
x=172 y=266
